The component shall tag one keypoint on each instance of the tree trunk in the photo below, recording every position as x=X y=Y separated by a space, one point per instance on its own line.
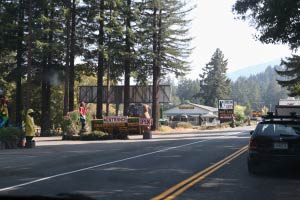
x=108 y=67
x=29 y=56
x=20 y=52
x=155 y=97
x=117 y=109
x=46 y=85
x=158 y=110
x=127 y=61
x=72 y=57
x=44 y=96
x=108 y=86
x=67 y=59
x=48 y=108
x=46 y=115
x=50 y=66
x=43 y=108
x=100 y=62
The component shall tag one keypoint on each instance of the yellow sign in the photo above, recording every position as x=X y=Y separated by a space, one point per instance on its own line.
x=117 y=124
x=256 y=113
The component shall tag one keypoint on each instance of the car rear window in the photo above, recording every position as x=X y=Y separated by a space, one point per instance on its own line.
x=278 y=129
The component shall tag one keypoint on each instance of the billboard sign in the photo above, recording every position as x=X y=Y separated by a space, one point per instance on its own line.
x=115 y=95
x=226 y=104
x=226 y=109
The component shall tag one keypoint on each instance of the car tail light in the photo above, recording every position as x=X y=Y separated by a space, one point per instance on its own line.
x=253 y=144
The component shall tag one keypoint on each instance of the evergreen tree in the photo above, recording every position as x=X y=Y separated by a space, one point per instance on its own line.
x=290 y=75
x=163 y=43
x=188 y=89
x=94 y=49
x=67 y=37
x=41 y=39
x=47 y=56
x=104 y=42
x=12 y=50
x=214 y=84
x=20 y=60
x=128 y=64
x=115 y=45
x=258 y=90
x=71 y=69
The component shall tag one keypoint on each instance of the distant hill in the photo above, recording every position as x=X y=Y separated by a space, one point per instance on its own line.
x=252 y=70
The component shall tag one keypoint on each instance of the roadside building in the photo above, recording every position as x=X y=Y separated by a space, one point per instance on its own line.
x=194 y=113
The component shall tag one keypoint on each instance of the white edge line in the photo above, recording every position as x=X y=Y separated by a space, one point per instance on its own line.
x=96 y=166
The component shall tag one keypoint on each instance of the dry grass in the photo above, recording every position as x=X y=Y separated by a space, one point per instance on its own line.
x=185 y=125
x=165 y=129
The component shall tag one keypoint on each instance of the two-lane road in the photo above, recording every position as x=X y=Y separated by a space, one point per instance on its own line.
x=137 y=169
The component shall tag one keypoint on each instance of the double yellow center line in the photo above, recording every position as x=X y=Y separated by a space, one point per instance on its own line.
x=178 y=189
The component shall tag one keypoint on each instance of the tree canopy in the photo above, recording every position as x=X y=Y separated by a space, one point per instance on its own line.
x=214 y=83
x=290 y=75
x=258 y=90
x=276 y=21
x=187 y=90
x=41 y=40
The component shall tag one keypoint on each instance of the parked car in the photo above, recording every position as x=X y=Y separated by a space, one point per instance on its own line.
x=275 y=140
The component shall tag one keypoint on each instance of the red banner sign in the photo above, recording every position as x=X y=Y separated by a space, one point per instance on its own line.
x=111 y=120
x=145 y=122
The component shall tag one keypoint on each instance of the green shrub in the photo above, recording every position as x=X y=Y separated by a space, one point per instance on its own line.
x=239 y=123
x=184 y=125
x=51 y=133
x=239 y=112
x=96 y=135
x=11 y=134
x=71 y=124
x=239 y=116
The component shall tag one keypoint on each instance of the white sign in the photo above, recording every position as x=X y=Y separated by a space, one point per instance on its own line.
x=226 y=104
x=145 y=121
x=112 y=119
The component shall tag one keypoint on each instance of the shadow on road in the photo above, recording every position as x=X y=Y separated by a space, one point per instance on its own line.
x=280 y=171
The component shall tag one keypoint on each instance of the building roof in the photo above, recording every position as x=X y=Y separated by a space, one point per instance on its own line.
x=190 y=109
x=211 y=109
x=209 y=115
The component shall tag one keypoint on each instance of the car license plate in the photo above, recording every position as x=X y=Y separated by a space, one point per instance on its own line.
x=280 y=145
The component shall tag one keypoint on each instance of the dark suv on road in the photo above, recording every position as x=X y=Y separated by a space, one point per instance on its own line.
x=275 y=140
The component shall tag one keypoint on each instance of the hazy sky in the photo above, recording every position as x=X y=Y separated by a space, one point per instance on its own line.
x=214 y=27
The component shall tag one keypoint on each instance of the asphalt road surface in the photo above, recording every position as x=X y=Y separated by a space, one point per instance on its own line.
x=189 y=166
